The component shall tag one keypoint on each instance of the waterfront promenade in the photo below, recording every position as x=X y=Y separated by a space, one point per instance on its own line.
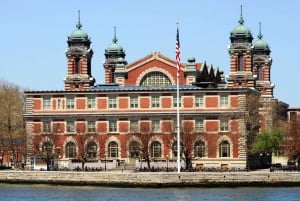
x=153 y=179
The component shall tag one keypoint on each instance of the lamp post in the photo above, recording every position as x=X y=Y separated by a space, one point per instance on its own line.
x=261 y=160
x=105 y=162
x=141 y=160
x=167 y=163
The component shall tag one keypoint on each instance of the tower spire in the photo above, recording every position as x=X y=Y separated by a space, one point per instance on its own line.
x=260 y=35
x=78 y=25
x=241 y=21
x=115 y=40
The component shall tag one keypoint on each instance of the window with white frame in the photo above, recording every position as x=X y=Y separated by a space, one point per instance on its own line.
x=175 y=150
x=224 y=149
x=91 y=126
x=155 y=101
x=199 y=101
x=176 y=127
x=155 y=149
x=112 y=126
x=71 y=150
x=70 y=126
x=176 y=100
x=224 y=101
x=59 y=104
x=46 y=103
x=134 y=126
x=113 y=150
x=224 y=125
x=155 y=78
x=199 y=149
x=46 y=127
x=156 y=126
x=91 y=102
x=112 y=102
x=70 y=103
x=47 y=147
x=199 y=125
x=91 y=150
x=134 y=102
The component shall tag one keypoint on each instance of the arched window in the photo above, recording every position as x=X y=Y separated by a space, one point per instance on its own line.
x=47 y=147
x=91 y=150
x=77 y=66
x=240 y=63
x=259 y=72
x=155 y=149
x=134 y=149
x=71 y=150
x=199 y=149
x=224 y=149
x=155 y=79
x=174 y=148
x=113 y=150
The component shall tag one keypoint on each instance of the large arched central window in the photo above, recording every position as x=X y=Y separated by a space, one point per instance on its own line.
x=91 y=150
x=155 y=149
x=224 y=149
x=155 y=78
x=113 y=150
x=199 y=149
x=70 y=150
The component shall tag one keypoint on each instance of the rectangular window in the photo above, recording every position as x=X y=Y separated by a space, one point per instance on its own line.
x=46 y=103
x=259 y=72
x=223 y=100
x=59 y=104
x=175 y=101
x=46 y=127
x=70 y=126
x=175 y=127
x=112 y=102
x=156 y=126
x=155 y=102
x=224 y=125
x=199 y=101
x=91 y=102
x=199 y=125
x=70 y=103
x=112 y=126
x=134 y=102
x=240 y=63
x=91 y=127
x=134 y=126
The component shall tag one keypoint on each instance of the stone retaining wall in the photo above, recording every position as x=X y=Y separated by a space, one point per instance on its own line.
x=160 y=179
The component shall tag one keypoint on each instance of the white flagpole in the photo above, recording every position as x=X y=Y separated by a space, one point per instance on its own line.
x=178 y=99
x=178 y=128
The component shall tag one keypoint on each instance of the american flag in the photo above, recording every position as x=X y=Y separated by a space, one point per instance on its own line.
x=177 y=51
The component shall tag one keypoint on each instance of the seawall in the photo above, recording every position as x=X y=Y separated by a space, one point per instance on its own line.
x=160 y=179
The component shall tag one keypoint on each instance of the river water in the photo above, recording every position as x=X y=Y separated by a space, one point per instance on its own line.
x=10 y=192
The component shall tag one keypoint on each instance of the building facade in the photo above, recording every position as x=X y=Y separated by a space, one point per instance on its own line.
x=132 y=116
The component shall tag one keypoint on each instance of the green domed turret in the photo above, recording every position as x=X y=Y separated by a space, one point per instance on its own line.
x=79 y=37
x=114 y=47
x=79 y=33
x=241 y=32
x=241 y=29
x=260 y=44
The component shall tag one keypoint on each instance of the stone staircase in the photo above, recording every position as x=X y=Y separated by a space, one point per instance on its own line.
x=128 y=167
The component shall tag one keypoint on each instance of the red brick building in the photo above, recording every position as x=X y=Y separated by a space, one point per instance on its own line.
x=133 y=114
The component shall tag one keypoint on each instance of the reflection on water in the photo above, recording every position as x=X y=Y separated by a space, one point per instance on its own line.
x=76 y=193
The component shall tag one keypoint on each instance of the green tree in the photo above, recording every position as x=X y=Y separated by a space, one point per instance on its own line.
x=292 y=141
x=12 y=125
x=269 y=141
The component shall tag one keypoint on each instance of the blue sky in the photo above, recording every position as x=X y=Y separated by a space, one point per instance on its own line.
x=34 y=33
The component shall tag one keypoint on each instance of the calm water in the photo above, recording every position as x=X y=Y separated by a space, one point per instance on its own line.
x=63 y=193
